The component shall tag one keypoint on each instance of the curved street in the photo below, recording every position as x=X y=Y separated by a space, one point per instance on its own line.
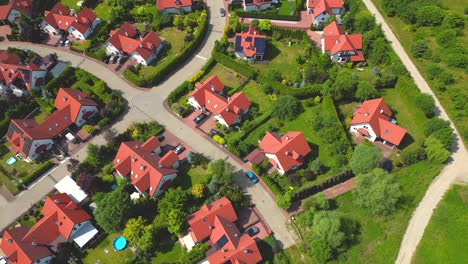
x=453 y=170
x=144 y=105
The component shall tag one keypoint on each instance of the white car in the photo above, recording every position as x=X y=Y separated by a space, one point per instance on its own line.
x=4 y=260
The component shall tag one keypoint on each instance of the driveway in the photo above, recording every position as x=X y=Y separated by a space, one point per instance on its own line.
x=145 y=105
x=455 y=168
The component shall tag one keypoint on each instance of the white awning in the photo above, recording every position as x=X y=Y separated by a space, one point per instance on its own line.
x=68 y=185
x=70 y=137
x=188 y=242
x=84 y=234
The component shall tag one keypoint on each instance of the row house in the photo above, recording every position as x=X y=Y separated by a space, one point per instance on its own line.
x=250 y=45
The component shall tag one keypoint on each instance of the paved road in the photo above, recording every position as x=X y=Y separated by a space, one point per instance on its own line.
x=146 y=105
x=455 y=169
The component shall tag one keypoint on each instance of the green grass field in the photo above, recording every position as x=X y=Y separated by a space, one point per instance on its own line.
x=228 y=77
x=70 y=3
x=188 y=177
x=168 y=253
x=98 y=253
x=103 y=11
x=175 y=38
x=444 y=240
x=287 y=7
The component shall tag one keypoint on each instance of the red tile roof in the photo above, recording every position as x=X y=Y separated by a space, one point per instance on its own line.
x=13 y=70
x=247 y=39
x=201 y=221
x=169 y=159
x=330 y=3
x=61 y=214
x=74 y=99
x=23 y=6
x=257 y=2
x=164 y=4
x=289 y=149
x=59 y=17
x=151 y=144
x=216 y=221
x=376 y=113
x=335 y=41
x=145 y=167
x=207 y=95
x=123 y=39
x=4 y=11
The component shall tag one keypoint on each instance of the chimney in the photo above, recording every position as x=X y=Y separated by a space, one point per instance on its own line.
x=9 y=240
x=64 y=98
x=381 y=110
x=236 y=235
x=56 y=201
x=33 y=243
x=337 y=41
x=366 y=114
x=137 y=146
x=219 y=205
x=287 y=137
x=224 y=250
x=133 y=158
x=126 y=33
x=142 y=167
x=79 y=97
x=229 y=98
x=210 y=227
x=246 y=251
x=286 y=153
x=60 y=11
x=141 y=45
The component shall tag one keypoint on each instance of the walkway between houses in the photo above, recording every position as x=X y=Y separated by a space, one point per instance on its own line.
x=455 y=168
x=145 y=105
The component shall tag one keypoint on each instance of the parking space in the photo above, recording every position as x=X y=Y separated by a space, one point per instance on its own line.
x=170 y=142
x=249 y=218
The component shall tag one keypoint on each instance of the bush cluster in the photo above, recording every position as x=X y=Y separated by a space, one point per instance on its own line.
x=314 y=189
x=264 y=15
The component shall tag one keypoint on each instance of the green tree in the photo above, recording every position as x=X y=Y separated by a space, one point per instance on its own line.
x=429 y=15
x=198 y=190
x=419 y=48
x=255 y=23
x=435 y=150
x=265 y=25
x=446 y=37
x=426 y=103
x=284 y=201
x=175 y=220
x=174 y=198
x=316 y=166
x=113 y=211
x=364 y=21
x=412 y=155
x=343 y=87
x=286 y=107
x=365 y=158
x=435 y=124
x=320 y=250
x=454 y=20
x=365 y=91
x=327 y=227
x=139 y=234
x=377 y=191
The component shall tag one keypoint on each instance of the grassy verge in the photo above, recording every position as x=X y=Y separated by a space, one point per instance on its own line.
x=168 y=253
x=445 y=236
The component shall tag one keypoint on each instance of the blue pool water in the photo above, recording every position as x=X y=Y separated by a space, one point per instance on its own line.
x=11 y=161
x=119 y=243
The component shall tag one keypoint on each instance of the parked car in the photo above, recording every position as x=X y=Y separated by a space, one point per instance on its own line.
x=62 y=41
x=199 y=118
x=112 y=59
x=222 y=12
x=252 y=177
x=216 y=132
x=179 y=149
x=121 y=59
x=67 y=42
x=252 y=231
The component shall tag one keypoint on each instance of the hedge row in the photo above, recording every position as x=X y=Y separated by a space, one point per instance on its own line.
x=227 y=61
x=154 y=75
x=57 y=82
x=273 y=185
x=44 y=105
x=289 y=33
x=178 y=92
x=264 y=15
x=305 y=92
x=314 y=189
x=36 y=174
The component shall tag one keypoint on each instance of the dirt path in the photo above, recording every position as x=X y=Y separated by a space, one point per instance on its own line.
x=455 y=168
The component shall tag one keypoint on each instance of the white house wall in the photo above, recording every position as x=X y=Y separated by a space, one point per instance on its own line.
x=273 y=156
x=48 y=28
x=111 y=49
x=320 y=18
x=163 y=180
x=83 y=110
x=220 y=119
x=78 y=227
x=174 y=10
x=191 y=101
x=37 y=143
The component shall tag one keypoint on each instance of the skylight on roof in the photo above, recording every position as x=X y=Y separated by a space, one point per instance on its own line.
x=386 y=131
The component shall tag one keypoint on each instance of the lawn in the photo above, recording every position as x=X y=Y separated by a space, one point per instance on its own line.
x=281 y=57
x=188 y=177
x=454 y=98
x=444 y=240
x=103 y=12
x=254 y=92
x=175 y=38
x=71 y=3
x=98 y=253
x=379 y=237
x=18 y=170
x=168 y=253
x=287 y=7
x=228 y=77
x=39 y=115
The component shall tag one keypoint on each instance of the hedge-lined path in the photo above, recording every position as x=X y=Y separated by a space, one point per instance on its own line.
x=455 y=168
x=144 y=105
x=304 y=23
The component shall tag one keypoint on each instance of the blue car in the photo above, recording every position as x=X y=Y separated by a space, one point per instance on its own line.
x=251 y=176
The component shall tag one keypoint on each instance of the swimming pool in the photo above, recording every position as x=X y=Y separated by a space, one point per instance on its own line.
x=11 y=161
x=119 y=243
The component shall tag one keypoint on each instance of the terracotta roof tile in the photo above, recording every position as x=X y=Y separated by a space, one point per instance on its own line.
x=163 y=4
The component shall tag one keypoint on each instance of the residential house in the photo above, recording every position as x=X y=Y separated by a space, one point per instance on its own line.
x=63 y=221
x=30 y=139
x=285 y=152
x=148 y=171
x=250 y=44
x=214 y=223
x=256 y=5
x=19 y=77
x=174 y=6
x=228 y=111
x=322 y=9
x=60 y=19
x=340 y=46
x=373 y=120
x=143 y=49
x=15 y=8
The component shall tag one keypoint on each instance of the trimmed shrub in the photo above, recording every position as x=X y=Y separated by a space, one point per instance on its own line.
x=227 y=61
x=263 y=15
x=274 y=186
x=178 y=92
x=314 y=189
x=412 y=155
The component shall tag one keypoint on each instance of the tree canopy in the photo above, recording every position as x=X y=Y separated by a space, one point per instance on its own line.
x=113 y=210
x=139 y=234
x=286 y=108
x=426 y=103
x=435 y=150
x=365 y=158
x=377 y=191
x=327 y=228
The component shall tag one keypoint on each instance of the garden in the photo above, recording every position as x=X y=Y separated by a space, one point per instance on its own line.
x=280 y=10
x=433 y=35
